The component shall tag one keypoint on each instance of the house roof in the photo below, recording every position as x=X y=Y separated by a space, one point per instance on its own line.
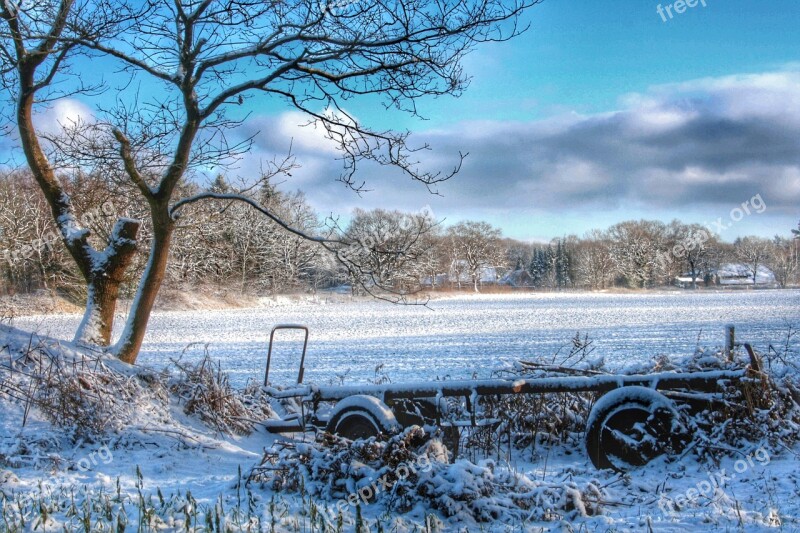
x=741 y=274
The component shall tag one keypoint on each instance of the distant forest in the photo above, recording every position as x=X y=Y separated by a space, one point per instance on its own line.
x=229 y=244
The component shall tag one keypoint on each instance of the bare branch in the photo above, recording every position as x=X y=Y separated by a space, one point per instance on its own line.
x=130 y=165
x=252 y=203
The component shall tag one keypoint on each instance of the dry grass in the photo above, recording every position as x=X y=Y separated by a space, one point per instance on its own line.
x=91 y=395
x=204 y=391
x=40 y=303
x=76 y=391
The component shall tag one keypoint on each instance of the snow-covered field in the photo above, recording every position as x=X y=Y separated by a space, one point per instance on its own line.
x=751 y=489
x=458 y=336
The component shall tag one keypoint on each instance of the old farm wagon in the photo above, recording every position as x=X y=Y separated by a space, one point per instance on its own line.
x=635 y=419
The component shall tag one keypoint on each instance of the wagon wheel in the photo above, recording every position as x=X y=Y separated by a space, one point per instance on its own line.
x=423 y=412
x=354 y=424
x=631 y=426
x=361 y=417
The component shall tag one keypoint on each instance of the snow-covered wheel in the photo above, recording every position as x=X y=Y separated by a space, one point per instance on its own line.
x=423 y=412
x=361 y=417
x=451 y=438
x=630 y=426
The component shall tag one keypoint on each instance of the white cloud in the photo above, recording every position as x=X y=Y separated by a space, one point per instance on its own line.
x=306 y=136
x=703 y=144
x=63 y=113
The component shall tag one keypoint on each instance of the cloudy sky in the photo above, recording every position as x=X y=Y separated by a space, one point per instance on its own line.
x=601 y=112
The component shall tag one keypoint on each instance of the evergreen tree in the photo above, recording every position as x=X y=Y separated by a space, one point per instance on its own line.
x=220 y=185
x=562 y=263
x=541 y=266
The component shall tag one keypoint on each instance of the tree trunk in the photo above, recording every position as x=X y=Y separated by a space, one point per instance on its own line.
x=104 y=283
x=98 y=317
x=102 y=272
x=129 y=344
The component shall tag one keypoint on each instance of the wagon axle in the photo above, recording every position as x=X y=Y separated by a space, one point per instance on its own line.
x=631 y=423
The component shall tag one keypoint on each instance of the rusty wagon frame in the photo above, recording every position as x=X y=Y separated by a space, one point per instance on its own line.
x=634 y=420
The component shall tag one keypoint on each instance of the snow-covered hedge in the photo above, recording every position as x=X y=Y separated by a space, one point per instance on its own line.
x=410 y=470
x=86 y=393
x=762 y=410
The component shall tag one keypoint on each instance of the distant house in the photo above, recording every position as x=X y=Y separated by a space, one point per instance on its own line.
x=440 y=280
x=459 y=275
x=517 y=278
x=684 y=281
x=733 y=274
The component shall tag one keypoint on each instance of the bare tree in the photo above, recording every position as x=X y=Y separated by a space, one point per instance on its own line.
x=635 y=246
x=783 y=260
x=208 y=55
x=286 y=260
x=24 y=234
x=220 y=241
x=475 y=246
x=388 y=247
x=433 y=262
x=595 y=266
x=698 y=248
x=202 y=252
x=37 y=43
x=754 y=253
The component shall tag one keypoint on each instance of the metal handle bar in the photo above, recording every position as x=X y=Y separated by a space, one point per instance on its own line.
x=302 y=358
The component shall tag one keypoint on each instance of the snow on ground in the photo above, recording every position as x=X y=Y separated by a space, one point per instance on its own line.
x=752 y=489
x=456 y=336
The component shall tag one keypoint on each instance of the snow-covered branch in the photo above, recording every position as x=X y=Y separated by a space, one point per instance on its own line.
x=252 y=203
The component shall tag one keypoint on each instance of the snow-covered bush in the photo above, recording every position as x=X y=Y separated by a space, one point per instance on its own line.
x=760 y=410
x=205 y=391
x=86 y=393
x=410 y=469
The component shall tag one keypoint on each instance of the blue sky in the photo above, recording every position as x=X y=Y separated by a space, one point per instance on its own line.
x=582 y=56
x=600 y=112
x=563 y=123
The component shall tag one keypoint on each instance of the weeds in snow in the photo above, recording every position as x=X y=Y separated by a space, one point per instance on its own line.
x=205 y=391
x=75 y=391
x=410 y=469
x=69 y=508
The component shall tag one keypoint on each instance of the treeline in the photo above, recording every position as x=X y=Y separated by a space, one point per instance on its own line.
x=228 y=243
x=217 y=243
